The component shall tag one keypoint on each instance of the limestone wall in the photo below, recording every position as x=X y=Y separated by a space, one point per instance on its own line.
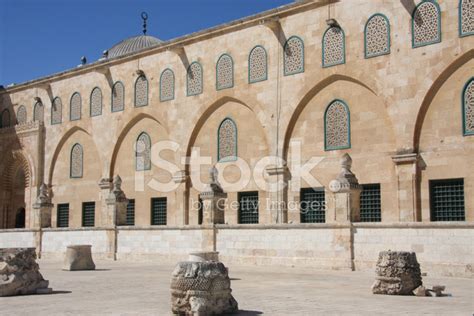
x=13 y=238
x=440 y=249
x=55 y=241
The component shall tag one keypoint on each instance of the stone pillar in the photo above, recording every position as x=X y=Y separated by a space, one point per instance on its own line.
x=42 y=209
x=346 y=191
x=105 y=185
x=278 y=193
x=116 y=205
x=406 y=166
x=213 y=200
x=182 y=214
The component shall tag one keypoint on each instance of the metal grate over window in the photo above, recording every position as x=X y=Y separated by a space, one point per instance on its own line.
x=313 y=205
x=158 y=211
x=447 y=200
x=63 y=215
x=248 y=207
x=130 y=215
x=370 y=203
x=88 y=214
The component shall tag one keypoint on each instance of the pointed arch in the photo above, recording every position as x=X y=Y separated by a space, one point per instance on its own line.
x=56 y=111
x=468 y=108
x=293 y=56
x=167 y=81
x=38 y=112
x=96 y=102
x=118 y=97
x=143 y=152
x=194 y=79
x=227 y=138
x=75 y=107
x=377 y=36
x=337 y=126
x=334 y=47
x=258 y=64
x=141 y=91
x=224 y=72
x=21 y=115
x=426 y=24
x=76 y=162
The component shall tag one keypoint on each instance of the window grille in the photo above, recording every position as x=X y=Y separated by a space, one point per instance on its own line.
x=63 y=215
x=130 y=216
x=312 y=205
x=88 y=214
x=158 y=211
x=447 y=200
x=370 y=203
x=248 y=207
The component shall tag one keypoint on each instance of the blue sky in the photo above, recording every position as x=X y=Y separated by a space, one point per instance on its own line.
x=41 y=37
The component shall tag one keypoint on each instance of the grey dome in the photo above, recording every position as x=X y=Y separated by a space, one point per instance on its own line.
x=133 y=44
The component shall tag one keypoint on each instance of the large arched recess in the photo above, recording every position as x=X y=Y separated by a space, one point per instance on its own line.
x=445 y=152
x=371 y=133
x=252 y=145
x=75 y=191
x=143 y=185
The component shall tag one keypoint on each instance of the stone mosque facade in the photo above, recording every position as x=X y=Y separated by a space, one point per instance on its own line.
x=392 y=86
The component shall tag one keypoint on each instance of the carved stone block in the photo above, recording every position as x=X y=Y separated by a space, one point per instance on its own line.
x=78 y=257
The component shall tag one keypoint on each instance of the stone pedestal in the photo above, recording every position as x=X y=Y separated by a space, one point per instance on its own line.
x=78 y=257
x=201 y=287
x=346 y=191
x=116 y=201
x=213 y=199
x=42 y=209
x=105 y=185
x=398 y=273
x=19 y=273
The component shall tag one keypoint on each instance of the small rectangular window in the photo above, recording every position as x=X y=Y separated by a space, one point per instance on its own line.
x=130 y=216
x=63 y=215
x=312 y=205
x=447 y=200
x=248 y=207
x=158 y=211
x=88 y=214
x=370 y=203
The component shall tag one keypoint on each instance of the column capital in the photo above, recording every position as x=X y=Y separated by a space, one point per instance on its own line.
x=401 y=159
x=180 y=176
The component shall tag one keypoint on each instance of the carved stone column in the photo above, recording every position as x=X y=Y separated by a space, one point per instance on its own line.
x=116 y=206
x=42 y=209
x=182 y=215
x=406 y=166
x=346 y=191
x=278 y=193
x=213 y=200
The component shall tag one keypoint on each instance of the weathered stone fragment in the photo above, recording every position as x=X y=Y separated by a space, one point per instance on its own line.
x=201 y=288
x=398 y=273
x=19 y=272
x=78 y=257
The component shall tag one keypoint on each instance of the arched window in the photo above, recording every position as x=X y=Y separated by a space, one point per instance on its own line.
x=426 y=24
x=96 y=102
x=377 y=36
x=466 y=17
x=227 y=141
x=293 y=56
x=167 y=85
x=224 y=72
x=334 y=47
x=56 y=111
x=21 y=115
x=118 y=95
x=194 y=79
x=77 y=160
x=143 y=152
x=468 y=108
x=5 y=119
x=38 y=112
x=257 y=64
x=337 y=127
x=75 y=107
x=141 y=91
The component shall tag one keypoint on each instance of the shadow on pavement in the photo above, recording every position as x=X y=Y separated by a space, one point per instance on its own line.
x=248 y=313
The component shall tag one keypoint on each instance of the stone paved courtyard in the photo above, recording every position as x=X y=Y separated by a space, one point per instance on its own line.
x=120 y=288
